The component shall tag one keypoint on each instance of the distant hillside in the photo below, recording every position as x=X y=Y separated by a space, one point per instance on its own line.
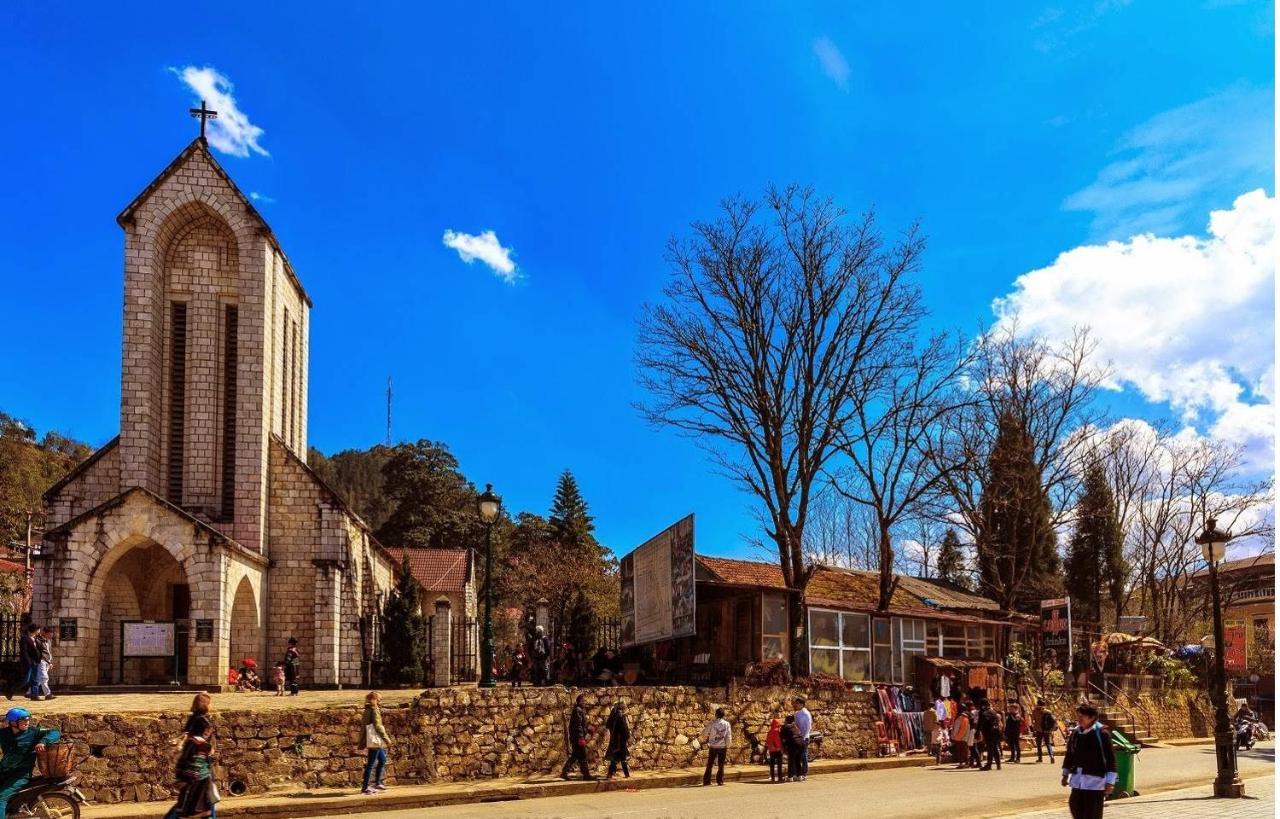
x=28 y=466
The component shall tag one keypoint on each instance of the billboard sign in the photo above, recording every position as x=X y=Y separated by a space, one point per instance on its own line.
x=147 y=638
x=659 y=598
x=1055 y=625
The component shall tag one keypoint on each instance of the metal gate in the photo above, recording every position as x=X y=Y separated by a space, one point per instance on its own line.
x=464 y=645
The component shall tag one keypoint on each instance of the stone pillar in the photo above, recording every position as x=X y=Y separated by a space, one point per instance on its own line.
x=441 y=644
x=328 y=619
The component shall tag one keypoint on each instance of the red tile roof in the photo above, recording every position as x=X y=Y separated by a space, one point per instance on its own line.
x=440 y=570
x=743 y=572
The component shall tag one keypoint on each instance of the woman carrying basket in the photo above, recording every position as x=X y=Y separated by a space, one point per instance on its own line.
x=197 y=794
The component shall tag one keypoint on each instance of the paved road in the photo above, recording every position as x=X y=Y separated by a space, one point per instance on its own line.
x=1190 y=803
x=913 y=793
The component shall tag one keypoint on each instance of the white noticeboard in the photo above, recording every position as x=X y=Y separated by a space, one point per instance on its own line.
x=146 y=638
x=658 y=594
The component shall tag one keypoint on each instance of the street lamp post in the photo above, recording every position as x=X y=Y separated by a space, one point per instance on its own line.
x=1213 y=545
x=489 y=505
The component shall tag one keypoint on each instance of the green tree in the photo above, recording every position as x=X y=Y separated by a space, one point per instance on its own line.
x=1095 y=566
x=951 y=561
x=570 y=521
x=356 y=475
x=432 y=504
x=28 y=467
x=404 y=630
x=1017 y=549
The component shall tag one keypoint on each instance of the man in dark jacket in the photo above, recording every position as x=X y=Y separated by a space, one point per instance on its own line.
x=990 y=728
x=1089 y=765
x=577 y=735
x=29 y=654
x=540 y=656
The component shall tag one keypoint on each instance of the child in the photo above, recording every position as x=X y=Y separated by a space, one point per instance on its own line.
x=939 y=743
x=793 y=744
x=773 y=747
x=277 y=678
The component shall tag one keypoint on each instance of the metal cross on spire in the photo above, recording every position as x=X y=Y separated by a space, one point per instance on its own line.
x=204 y=114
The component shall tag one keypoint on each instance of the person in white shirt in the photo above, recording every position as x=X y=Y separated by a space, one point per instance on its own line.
x=804 y=726
x=1089 y=766
x=718 y=735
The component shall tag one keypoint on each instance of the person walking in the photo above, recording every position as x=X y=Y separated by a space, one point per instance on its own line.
x=1044 y=724
x=990 y=726
x=577 y=736
x=619 y=736
x=773 y=747
x=718 y=735
x=292 y=666
x=804 y=726
x=1013 y=732
x=29 y=656
x=1089 y=765
x=960 y=738
x=519 y=666
x=375 y=740
x=44 y=645
x=197 y=794
x=22 y=744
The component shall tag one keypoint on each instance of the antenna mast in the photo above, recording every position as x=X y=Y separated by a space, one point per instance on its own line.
x=388 y=410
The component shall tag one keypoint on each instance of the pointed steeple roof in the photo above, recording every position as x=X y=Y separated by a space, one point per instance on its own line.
x=201 y=145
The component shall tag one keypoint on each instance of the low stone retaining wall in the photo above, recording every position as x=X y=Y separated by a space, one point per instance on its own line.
x=1178 y=713
x=444 y=735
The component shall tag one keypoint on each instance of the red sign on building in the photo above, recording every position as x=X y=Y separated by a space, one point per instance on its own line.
x=1235 y=652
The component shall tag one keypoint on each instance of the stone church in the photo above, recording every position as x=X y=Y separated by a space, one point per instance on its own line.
x=202 y=515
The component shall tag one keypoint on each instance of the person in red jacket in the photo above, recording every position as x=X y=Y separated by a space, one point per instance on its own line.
x=773 y=746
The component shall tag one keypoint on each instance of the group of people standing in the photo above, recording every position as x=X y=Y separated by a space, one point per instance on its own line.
x=975 y=733
x=788 y=737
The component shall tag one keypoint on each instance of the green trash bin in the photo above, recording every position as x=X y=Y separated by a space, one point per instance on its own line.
x=1126 y=755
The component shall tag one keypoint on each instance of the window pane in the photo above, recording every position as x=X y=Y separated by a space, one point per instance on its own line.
x=771 y=648
x=774 y=614
x=822 y=627
x=909 y=662
x=825 y=661
x=882 y=631
x=881 y=664
x=855 y=665
x=854 y=630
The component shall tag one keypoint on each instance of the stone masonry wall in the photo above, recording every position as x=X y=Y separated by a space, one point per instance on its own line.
x=445 y=735
x=1175 y=714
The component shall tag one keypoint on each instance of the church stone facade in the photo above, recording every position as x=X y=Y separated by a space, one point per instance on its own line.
x=203 y=511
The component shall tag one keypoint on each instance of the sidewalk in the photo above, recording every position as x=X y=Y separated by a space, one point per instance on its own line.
x=342 y=801
x=1188 y=803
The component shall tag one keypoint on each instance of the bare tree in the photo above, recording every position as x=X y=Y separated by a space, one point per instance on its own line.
x=1191 y=479
x=840 y=532
x=900 y=413
x=768 y=326
x=1043 y=392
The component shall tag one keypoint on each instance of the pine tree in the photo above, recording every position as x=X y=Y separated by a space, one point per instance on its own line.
x=404 y=630
x=571 y=523
x=1095 y=559
x=951 y=566
x=1016 y=545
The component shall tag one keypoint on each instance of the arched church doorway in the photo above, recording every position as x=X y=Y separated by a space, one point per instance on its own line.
x=246 y=626
x=144 y=583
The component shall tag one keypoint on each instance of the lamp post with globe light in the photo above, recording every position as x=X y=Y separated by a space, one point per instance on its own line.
x=1213 y=545
x=489 y=506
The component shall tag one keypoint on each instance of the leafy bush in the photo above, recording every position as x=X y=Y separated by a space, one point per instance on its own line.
x=1055 y=678
x=1175 y=672
x=769 y=672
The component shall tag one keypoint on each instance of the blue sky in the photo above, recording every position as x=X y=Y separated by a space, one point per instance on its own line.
x=1019 y=134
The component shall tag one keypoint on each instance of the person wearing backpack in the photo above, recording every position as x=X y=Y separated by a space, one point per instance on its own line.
x=989 y=725
x=1044 y=724
x=1089 y=765
x=540 y=654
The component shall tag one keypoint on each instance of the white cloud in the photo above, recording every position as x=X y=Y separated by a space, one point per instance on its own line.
x=485 y=247
x=232 y=132
x=1166 y=169
x=833 y=63
x=261 y=197
x=1185 y=321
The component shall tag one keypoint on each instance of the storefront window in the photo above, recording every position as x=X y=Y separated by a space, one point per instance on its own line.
x=839 y=645
x=773 y=619
x=882 y=654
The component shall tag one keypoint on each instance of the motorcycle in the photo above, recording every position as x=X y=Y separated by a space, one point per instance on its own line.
x=1248 y=732
x=48 y=798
